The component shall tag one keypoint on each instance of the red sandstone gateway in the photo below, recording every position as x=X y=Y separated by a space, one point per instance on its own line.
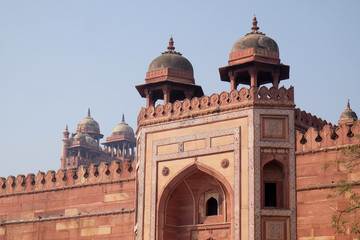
x=243 y=164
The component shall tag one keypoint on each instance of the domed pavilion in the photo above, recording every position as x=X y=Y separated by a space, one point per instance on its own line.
x=170 y=77
x=254 y=60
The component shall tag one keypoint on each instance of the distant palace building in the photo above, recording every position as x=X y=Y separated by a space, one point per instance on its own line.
x=243 y=164
x=83 y=148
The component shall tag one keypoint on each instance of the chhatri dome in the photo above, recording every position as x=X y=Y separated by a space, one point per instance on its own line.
x=123 y=129
x=170 y=77
x=88 y=125
x=171 y=59
x=255 y=39
x=254 y=61
x=348 y=114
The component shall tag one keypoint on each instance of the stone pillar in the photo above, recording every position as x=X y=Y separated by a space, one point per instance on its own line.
x=233 y=83
x=276 y=75
x=78 y=158
x=149 y=98
x=166 y=91
x=253 y=77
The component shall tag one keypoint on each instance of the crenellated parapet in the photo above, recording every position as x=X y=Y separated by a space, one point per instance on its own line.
x=329 y=137
x=304 y=121
x=217 y=102
x=68 y=178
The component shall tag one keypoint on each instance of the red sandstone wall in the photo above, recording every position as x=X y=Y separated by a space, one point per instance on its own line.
x=314 y=207
x=87 y=203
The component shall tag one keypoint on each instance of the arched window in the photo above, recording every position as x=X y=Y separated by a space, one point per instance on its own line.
x=211 y=207
x=273 y=182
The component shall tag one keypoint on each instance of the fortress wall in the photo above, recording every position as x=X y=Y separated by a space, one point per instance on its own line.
x=85 y=203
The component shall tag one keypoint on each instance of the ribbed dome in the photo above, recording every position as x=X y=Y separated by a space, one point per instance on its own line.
x=85 y=138
x=348 y=114
x=255 y=39
x=171 y=59
x=88 y=125
x=123 y=129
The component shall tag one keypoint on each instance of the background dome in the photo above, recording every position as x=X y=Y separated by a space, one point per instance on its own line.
x=88 y=124
x=348 y=114
x=85 y=138
x=255 y=39
x=123 y=129
x=171 y=59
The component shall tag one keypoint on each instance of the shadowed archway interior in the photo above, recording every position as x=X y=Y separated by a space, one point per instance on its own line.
x=197 y=202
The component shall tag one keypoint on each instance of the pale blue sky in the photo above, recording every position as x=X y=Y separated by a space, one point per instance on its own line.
x=57 y=58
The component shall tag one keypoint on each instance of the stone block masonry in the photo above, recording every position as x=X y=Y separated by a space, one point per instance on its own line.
x=83 y=203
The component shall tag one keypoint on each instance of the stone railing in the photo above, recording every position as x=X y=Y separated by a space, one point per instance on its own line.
x=330 y=137
x=216 y=102
x=68 y=178
x=304 y=120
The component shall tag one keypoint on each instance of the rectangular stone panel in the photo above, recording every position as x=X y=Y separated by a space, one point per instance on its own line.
x=194 y=145
x=116 y=197
x=168 y=149
x=275 y=228
x=274 y=128
x=67 y=225
x=222 y=140
x=102 y=230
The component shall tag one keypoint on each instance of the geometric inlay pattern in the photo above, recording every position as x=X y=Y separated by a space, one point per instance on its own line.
x=274 y=230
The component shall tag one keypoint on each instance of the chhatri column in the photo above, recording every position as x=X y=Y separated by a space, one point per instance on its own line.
x=233 y=83
x=166 y=91
x=149 y=99
x=253 y=77
x=276 y=76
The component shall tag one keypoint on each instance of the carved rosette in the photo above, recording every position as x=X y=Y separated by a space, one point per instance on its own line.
x=225 y=163
x=165 y=171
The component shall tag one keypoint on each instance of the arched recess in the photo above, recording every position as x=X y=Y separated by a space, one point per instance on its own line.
x=274 y=184
x=183 y=197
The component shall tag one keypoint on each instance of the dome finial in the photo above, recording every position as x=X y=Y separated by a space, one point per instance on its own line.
x=348 y=103
x=171 y=44
x=66 y=128
x=89 y=115
x=123 y=118
x=254 y=22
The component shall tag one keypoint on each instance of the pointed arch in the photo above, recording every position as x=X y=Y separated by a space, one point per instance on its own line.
x=176 y=182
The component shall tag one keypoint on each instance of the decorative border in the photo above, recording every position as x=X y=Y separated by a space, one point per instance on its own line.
x=252 y=156
x=141 y=176
x=221 y=117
